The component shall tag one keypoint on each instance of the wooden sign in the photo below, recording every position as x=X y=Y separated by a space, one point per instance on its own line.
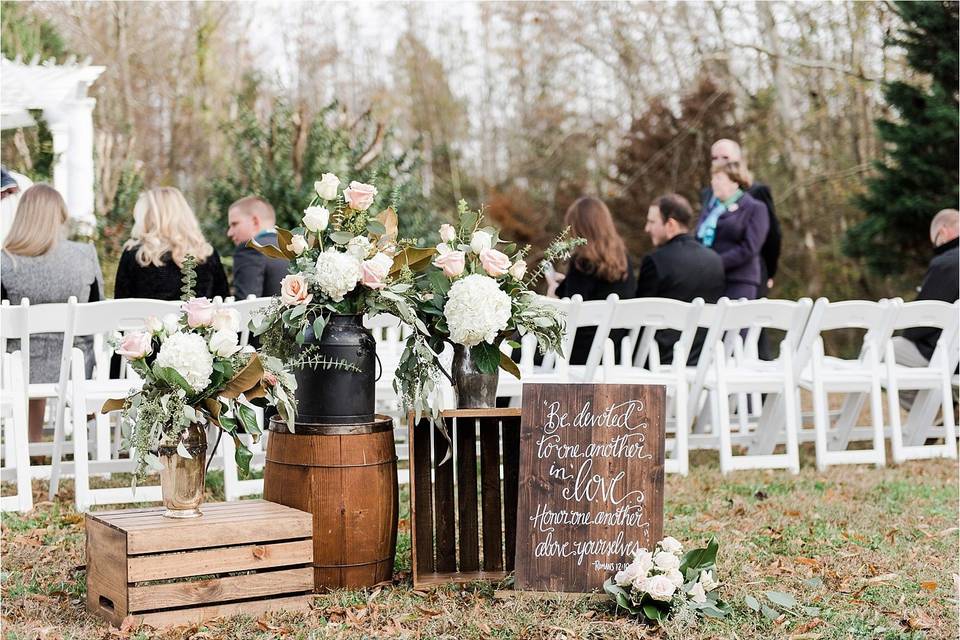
x=591 y=482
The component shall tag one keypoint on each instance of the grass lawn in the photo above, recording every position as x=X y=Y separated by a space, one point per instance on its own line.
x=863 y=552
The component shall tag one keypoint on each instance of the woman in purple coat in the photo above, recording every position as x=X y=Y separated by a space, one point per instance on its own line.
x=734 y=225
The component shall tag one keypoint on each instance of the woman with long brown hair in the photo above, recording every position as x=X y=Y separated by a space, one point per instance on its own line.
x=597 y=269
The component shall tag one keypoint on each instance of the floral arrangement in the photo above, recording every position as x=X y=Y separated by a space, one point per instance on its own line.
x=344 y=260
x=193 y=371
x=666 y=581
x=478 y=293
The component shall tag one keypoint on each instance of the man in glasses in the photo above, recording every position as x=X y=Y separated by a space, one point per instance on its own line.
x=941 y=282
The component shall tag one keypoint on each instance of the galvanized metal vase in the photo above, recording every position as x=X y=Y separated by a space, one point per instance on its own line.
x=182 y=479
x=474 y=389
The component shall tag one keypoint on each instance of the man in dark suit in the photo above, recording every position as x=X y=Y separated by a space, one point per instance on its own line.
x=942 y=282
x=252 y=218
x=679 y=268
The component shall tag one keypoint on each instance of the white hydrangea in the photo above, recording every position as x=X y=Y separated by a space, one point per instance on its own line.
x=337 y=273
x=188 y=355
x=476 y=310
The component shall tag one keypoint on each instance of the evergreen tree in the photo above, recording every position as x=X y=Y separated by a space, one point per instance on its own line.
x=920 y=174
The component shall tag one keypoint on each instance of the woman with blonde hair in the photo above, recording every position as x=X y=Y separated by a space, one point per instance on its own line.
x=40 y=264
x=597 y=269
x=165 y=231
x=735 y=225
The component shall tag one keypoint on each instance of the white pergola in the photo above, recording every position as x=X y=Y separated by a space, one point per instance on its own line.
x=60 y=91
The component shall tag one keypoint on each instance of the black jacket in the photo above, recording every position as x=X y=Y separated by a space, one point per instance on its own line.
x=682 y=269
x=255 y=273
x=163 y=283
x=770 y=251
x=581 y=279
x=942 y=282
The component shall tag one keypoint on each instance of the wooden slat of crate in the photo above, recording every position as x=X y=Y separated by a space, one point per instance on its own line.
x=128 y=550
x=478 y=508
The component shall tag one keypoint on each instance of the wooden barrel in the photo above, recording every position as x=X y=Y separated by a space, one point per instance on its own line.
x=346 y=476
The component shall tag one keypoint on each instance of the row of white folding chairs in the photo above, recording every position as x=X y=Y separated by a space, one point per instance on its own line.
x=80 y=394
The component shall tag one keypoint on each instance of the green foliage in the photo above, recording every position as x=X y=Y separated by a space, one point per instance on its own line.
x=188 y=273
x=26 y=34
x=280 y=156
x=920 y=175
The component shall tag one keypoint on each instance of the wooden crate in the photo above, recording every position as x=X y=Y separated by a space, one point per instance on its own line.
x=464 y=511
x=245 y=557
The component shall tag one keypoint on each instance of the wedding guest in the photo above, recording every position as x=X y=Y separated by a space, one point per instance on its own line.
x=40 y=264
x=734 y=225
x=165 y=231
x=253 y=218
x=597 y=269
x=942 y=282
x=679 y=268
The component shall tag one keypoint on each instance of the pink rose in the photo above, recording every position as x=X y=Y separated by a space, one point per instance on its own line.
x=135 y=345
x=199 y=312
x=447 y=232
x=373 y=272
x=294 y=290
x=495 y=263
x=452 y=263
x=360 y=196
x=270 y=379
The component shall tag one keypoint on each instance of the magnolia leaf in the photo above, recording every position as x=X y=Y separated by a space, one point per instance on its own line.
x=182 y=451
x=213 y=408
x=388 y=218
x=414 y=257
x=439 y=282
x=780 y=598
x=172 y=377
x=284 y=238
x=701 y=559
x=271 y=251
x=257 y=392
x=486 y=356
x=113 y=404
x=508 y=365
x=249 y=377
x=247 y=418
x=228 y=424
x=653 y=612
x=752 y=603
x=242 y=456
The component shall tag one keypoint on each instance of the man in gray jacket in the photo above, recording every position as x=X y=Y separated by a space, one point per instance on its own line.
x=253 y=218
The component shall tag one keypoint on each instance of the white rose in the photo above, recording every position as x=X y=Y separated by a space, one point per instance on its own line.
x=708 y=581
x=447 y=232
x=675 y=576
x=337 y=273
x=443 y=248
x=665 y=561
x=643 y=559
x=188 y=355
x=632 y=571
x=476 y=310
x=153 y=324
x=697 y=594
x=224 y=343
x=661 y=588
x=640 y=583
x=298 y=244
x=480 y=240
x=316 y=219
x=226 y=320
x=518 y=269
x=359 y=247
x=327 y=186
x=171 y=323
x=672 y=545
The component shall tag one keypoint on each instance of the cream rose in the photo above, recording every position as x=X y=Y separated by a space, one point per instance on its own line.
x=359 y=247
x=661 y=588
x=480 y=240
x=373 y=272
x=452 y=263
x=298 y=244
x=495 y=263
x=447 y=233
x=154 y=324
x=316 y=219
x=697 y=594
x=226 y=320
x=294 y=290
x=518 y=269
x=675 y=576
x=327 y=186
x=359 y=196
x=665 y=561
x=672 y=545
x=135 y=345
x=224 y=344
x=171 y=323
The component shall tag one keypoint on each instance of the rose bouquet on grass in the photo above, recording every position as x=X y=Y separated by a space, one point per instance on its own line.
x=478 y=293
x=343 y=260
x=194 y=372
x=665 y=581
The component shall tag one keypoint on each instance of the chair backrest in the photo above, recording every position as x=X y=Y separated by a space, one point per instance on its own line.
x=785 y=315
x=874 y=317
x=594 y=313
x=932 y=313
x=570 y=308
x=14 y=325
x=126 y=314
x=645 y=316
x=390 y=334
x=26 y=320
x=246 y=308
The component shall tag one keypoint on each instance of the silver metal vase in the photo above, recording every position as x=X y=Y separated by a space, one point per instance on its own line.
x=182 y=479
x=474 y=389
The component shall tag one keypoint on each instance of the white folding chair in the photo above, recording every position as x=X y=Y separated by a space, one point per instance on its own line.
x=590 y=314
x=908 y=443
x=86 y=395
x=750 y=375
x=247 y=309
x=822 y=374
x=699 y=410
x=13 y=408
x=644 y=317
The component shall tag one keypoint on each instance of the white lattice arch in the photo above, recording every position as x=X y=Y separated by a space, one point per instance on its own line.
x=60 y=90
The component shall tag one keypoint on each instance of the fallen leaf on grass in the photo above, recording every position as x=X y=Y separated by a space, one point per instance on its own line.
x=928 y=586
x=801 y=631
x=918 y=622
x=886 y=577
x=428 y=612
x=376 y=592
x=810 y=562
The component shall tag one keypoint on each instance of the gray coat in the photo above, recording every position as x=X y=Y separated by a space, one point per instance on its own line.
x=69 y=269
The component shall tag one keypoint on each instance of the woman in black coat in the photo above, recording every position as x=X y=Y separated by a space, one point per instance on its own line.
x=597 y=269
x=165 y=231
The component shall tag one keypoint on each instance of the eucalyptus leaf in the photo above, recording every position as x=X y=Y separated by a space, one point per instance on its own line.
x=298 y=311
x=319 y=324
x=815 y=582
x=341 y=237
x=752 y=603
x=768 y=613
x=182 y=451
x=153 y=461
x=812 y=611
x=376 y=227
x=782 y=599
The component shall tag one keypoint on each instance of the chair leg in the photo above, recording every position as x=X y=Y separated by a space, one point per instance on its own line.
x=682 y=453
x=876 y=416
x=81 y=465
x=103 y=436
x=821 y=423
x=893 y=403
x=949 y=428
x=790 y=423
